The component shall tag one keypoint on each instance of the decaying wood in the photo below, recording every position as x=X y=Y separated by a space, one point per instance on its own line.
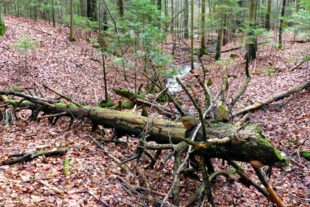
x=245 y=144
x=273 y=98
x=273 y=196
x=25 y=157
x=222 y=140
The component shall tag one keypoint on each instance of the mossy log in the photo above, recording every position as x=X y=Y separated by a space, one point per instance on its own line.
x=245 y=143
x=305 y=154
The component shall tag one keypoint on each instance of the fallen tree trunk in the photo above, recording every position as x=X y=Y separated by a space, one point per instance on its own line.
x=244 y=143
x=273 y=98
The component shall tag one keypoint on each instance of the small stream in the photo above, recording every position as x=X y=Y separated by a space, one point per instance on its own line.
x=172 y=84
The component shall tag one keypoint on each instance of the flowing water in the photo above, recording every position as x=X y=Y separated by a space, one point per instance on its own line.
x=172 y=84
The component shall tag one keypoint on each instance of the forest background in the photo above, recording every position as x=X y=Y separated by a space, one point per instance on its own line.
x=87 y=48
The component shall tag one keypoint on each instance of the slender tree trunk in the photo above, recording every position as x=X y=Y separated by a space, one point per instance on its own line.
x=192 y=34
x=267 y=22
x=166 y=13
x=219 y=40
x=172 y=27
x=53 y=13
x=105 y=20
x=252 y=40
x=103 y=46
x=186 y=35
x=83 y=8
x=121 y=7
x=219 y=36
x=35 y=11
x=297 y=5
x=91 y=10
x=203 y=27
x=104 y=77
x=18 y=8
x=281 y=24
x=225 y=31
x=71 y=39
x=159 y=4
x=177 y=19
x=210 y=7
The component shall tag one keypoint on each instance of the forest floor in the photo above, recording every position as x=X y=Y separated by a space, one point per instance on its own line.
x=75 y=69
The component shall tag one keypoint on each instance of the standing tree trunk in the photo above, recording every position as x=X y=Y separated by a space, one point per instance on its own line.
x=121 y=7
x=18 y=8
x=101 y=40
x=192 y=34
x=172 y=27
x=83 y=8
x=159 y=4
x=219 y=36
x=203 y=28
x=219 y=41
x=105 y=26
x=281 y=24
x=267 y=21
x=53 y=14
x=252 y=39
x=91 y=10
x=71 y=38
x=186 y=35
x=159 y=9
x=297 y=5
x=225 y=30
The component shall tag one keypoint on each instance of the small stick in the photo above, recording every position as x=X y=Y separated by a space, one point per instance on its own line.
x=53 y=115
x=59 y=94
x=26 y=136
x=93 y=195
x=36 y=87
x=57 y=190
x=177 y=106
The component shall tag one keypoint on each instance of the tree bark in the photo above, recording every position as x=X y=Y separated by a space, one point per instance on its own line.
x=281 y=24
x=91 y=10
x=186 y=32
x=25 y=157
x=203 y=28
x=192 y=35
x=297 y=5
x=252 y=39
x=219 y=36
x=267 y=21
x=83 y=8
x=71 y=38
x=241 y=143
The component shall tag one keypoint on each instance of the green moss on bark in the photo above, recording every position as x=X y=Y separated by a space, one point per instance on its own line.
x=305 y=154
